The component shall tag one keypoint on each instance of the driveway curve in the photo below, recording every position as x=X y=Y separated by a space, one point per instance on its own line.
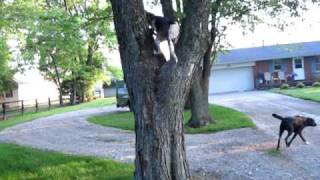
x=235 y=154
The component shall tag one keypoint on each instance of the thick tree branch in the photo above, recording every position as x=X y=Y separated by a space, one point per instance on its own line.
x=167 y=9
x=195 y=33
x=139 y=24
x=179 y=10
x=158 y=97
x=65 y=5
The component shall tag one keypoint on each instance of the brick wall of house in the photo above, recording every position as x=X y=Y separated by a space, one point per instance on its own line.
x=261 y=67
x=307 y=69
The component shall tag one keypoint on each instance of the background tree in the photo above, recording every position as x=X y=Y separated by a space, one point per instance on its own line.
x=56 y=39
x=226 y=13
x=63 y=39
x=96 y=28
x=6 y=72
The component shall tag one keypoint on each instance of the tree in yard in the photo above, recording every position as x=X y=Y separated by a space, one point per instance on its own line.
x=66 y=37
x=6 y=72
x=96 y=27
x=157 y=89
x=56 y=39
x=225 y=13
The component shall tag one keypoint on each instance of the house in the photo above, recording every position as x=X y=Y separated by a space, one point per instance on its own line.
x=31 y=85
x=258 y=67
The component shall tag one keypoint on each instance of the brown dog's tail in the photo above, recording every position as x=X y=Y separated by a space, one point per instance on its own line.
x=277 y=116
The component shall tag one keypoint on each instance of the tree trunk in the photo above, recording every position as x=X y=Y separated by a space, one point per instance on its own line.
x=200 y=88
x=73 y=96
x=199 y=94
x=58 y=79
x=157 y=89
x=200 y=115
x=60 y=96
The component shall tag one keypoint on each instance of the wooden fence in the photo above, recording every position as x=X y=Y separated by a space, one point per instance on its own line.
x=15 y=108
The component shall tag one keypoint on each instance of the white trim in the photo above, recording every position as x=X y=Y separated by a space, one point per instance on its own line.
x=299 y=71
x=232 y=65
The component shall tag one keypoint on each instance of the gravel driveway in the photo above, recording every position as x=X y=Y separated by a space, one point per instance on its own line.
x=236 y=154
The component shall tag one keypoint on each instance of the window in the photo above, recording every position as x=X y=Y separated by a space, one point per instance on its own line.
x=277 y=65
x=318 y=65
x=9 y=94
x=298 y=63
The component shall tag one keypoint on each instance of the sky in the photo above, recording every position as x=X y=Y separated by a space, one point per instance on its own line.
x=301 y=31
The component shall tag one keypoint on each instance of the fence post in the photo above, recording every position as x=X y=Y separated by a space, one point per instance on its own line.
x=22 y=107
x=3 y=111
x=49 y=103
x=37 y=105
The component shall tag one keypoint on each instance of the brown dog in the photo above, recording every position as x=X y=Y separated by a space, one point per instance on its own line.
x=293 y=125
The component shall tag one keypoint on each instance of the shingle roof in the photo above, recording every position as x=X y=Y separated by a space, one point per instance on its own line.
x=270 y=52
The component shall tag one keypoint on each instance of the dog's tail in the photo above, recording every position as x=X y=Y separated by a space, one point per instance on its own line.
x=277 y=116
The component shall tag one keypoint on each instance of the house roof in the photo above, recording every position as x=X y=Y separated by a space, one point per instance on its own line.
x=270 y=52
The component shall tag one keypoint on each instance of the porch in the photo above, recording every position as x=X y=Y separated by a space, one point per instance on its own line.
x=273 y=73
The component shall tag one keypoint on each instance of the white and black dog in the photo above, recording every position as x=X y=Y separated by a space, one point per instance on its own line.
x=164 y=29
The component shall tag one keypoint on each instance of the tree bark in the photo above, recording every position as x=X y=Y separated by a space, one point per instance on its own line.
x=157 y=89
x=168 y=9
x=73 y=96
x=199 y=94
x=58 y=79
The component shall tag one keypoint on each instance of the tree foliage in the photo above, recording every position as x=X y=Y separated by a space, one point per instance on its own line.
x=6 y=72
x=63 y=39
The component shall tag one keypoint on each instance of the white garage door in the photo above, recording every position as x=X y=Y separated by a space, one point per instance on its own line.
x=231 y=80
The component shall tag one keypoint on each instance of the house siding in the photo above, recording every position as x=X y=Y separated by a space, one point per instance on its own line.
x=287 y=67
x=261 y=67
x=310 y=69
x=290 y=66
x=307 y=68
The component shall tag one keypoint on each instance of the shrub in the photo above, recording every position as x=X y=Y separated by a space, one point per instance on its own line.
x=284 y=86
x=300 y=85
x=316 y=84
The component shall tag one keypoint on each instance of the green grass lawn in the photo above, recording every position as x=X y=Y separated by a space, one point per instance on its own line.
x=307 y=93
x=225 y=118
x=32 y=115
x=19 y=162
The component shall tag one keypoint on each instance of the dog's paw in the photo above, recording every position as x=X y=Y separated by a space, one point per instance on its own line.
x=307 y=143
